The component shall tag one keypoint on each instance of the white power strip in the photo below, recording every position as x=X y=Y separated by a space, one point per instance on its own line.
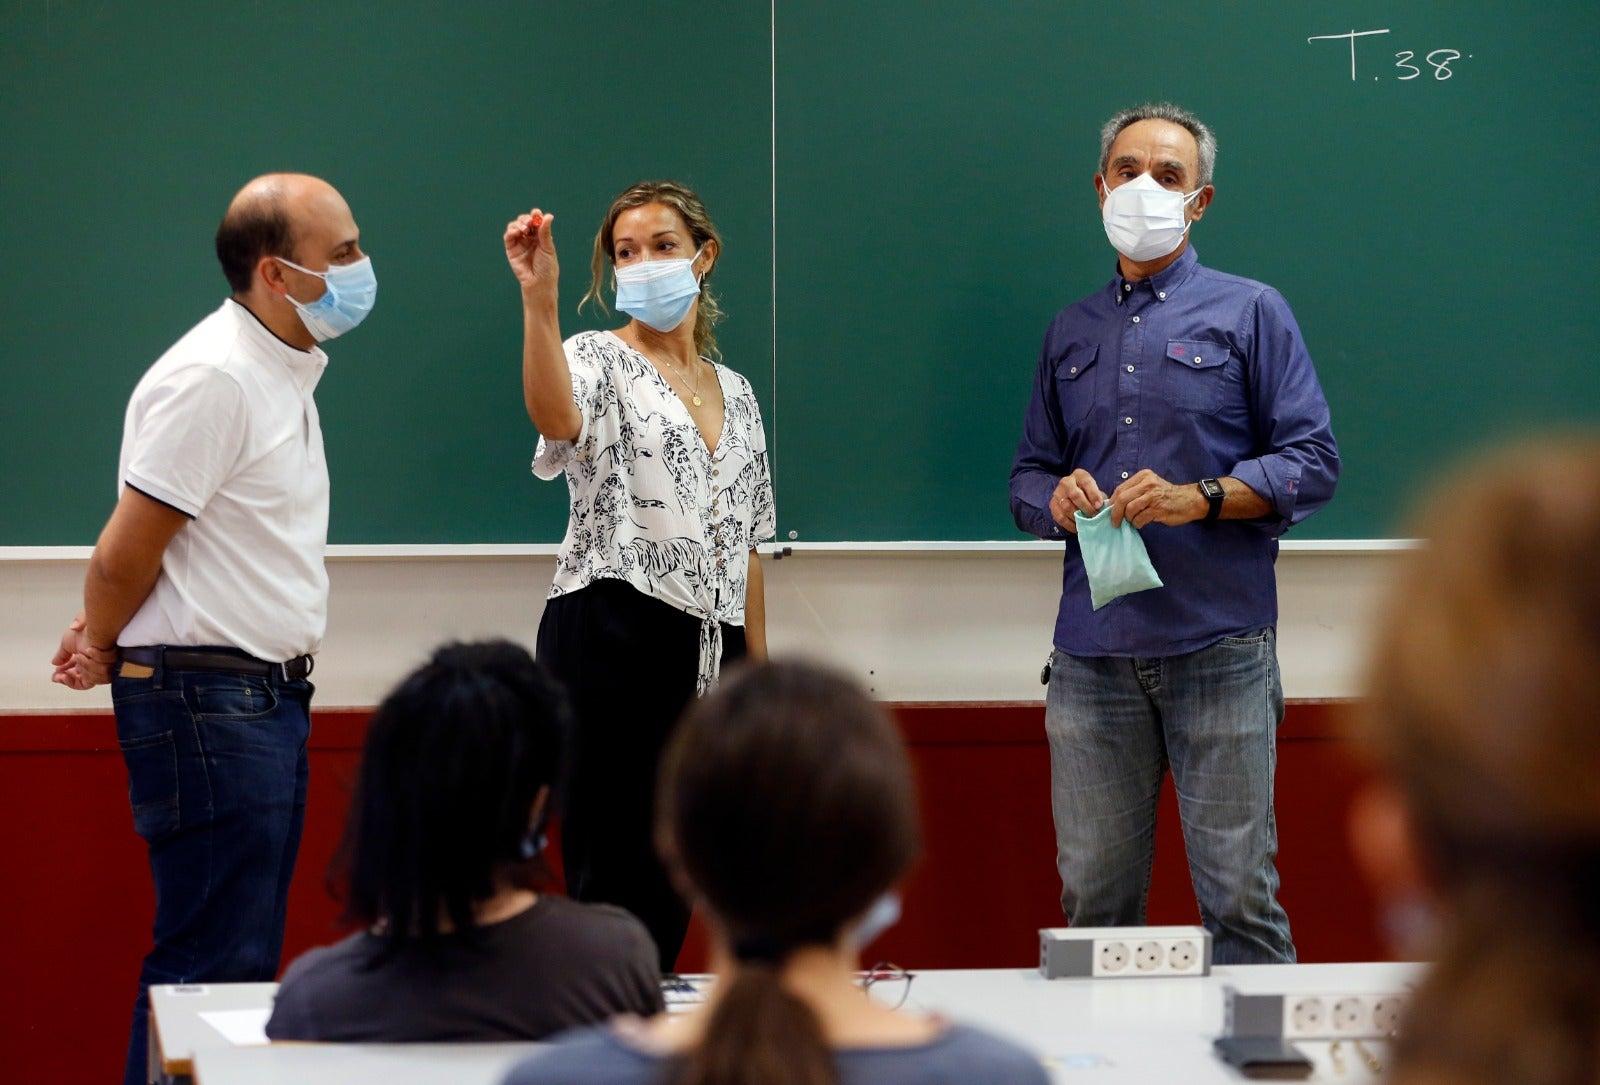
x=1123 y=952
x=1313 y=1015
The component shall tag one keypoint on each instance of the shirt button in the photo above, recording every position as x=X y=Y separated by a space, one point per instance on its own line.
x=1126 y=287
x=1074 y=369
x=1136 y=320
x=1130 y=369
x=1198 y=359
x=1127 y=421
x=1162 y=295
x=1124 y=474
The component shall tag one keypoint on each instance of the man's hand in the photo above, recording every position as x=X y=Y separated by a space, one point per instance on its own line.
x=122 y=571
x=1147 y=498
x=79 y=664
x=1077 y=491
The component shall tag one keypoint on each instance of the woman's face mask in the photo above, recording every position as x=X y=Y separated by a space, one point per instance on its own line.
x=659 y=293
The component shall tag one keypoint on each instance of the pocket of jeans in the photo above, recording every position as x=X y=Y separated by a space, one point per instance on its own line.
x=229 y=698
x=152 y=763
x=1250 y=640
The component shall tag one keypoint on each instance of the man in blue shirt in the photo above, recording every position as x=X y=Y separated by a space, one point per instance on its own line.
x=1184 y=398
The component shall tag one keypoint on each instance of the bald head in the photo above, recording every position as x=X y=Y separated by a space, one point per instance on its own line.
x=271 y=216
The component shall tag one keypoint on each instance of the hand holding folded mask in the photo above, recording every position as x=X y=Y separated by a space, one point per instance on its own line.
x=1113 y=557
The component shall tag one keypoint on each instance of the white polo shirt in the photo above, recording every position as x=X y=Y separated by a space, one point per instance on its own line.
x=224 y=429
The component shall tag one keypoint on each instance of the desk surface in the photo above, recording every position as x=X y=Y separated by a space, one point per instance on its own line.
x=177 y=1031
x=1144 y=1030
x=1131 y=1030
x=359 y=1064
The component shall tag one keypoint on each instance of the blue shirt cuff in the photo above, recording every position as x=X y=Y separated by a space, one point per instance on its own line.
x=1031 y=506
x=1280 y=493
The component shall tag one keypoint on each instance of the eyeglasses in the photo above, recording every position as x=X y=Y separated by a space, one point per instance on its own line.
x=887 y=984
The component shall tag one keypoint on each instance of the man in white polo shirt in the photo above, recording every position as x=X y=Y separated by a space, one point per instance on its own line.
x=206 y=596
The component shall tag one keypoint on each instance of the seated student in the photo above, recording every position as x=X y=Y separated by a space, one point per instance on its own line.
x=786 y=811
x=442 y=838
x=1484 y=832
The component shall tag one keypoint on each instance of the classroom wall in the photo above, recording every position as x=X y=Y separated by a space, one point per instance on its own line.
x=963 y=625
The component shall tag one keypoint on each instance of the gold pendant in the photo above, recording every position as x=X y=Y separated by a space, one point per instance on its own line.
x=697 y=402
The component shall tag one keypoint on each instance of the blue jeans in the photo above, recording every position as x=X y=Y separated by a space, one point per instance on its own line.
x=1115 y=726
x=217 y=781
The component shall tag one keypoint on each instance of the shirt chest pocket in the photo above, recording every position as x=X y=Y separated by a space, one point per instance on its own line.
x=1196 y=376
x=1075 y=382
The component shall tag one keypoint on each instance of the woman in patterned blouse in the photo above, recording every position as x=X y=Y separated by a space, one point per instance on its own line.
x=657 y=582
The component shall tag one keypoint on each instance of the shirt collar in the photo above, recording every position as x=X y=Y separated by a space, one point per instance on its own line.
x=306 y=365
x=1163 y=283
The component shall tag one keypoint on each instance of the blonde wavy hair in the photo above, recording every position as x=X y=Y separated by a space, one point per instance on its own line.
x=682 y=199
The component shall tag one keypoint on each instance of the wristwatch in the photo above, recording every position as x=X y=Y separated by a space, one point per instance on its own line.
x=1213 y=492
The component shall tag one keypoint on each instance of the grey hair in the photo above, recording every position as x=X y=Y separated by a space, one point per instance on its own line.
x=1162 y=111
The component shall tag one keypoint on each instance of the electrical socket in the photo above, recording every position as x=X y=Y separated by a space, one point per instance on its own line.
x=1312 y=1015
x=1124 y=952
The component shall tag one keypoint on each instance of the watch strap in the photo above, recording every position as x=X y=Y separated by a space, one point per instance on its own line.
x=1213 y=492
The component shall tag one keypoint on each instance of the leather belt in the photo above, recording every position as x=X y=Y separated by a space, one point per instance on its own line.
x=229 y=660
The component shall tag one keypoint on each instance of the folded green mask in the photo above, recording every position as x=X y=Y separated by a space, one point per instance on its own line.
x=1114 y=558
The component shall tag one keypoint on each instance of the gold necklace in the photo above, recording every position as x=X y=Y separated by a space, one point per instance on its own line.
x=694 y=389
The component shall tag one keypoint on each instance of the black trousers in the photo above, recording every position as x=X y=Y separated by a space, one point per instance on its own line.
x=629 y=663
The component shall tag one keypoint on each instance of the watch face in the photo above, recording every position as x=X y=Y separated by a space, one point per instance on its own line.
x=1212 y=487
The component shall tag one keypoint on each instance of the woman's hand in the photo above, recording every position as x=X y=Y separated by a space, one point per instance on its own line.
x=546 y=380
x=531 y=250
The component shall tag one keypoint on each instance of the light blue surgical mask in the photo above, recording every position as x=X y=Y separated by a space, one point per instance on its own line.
x=658 y=293
x=351 y=291
x=1114 y=558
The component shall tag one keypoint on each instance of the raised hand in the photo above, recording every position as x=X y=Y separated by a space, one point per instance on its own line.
x=531 y=250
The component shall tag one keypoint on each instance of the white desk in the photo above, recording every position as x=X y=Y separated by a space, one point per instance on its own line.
x=359 y=1064
x=1142 y=1030
x=177 y=1030
x=1120 y=1030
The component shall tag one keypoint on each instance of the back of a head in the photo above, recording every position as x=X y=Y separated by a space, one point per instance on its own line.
x=454 y=758
x=1482 y=703
x=787 y=805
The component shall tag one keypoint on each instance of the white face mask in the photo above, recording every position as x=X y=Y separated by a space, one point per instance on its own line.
x=1143 y=220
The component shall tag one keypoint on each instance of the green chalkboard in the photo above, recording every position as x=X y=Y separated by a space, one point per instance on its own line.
x=904 y=189
x=1435 y=235
x=125 y=129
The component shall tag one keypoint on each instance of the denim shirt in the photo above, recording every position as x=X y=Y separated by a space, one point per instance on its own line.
x=1192 y=374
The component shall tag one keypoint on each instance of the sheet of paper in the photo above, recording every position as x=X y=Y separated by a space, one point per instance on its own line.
x=242 y=1028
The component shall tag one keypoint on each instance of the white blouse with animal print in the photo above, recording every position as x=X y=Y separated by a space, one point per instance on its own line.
x=651 y=505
